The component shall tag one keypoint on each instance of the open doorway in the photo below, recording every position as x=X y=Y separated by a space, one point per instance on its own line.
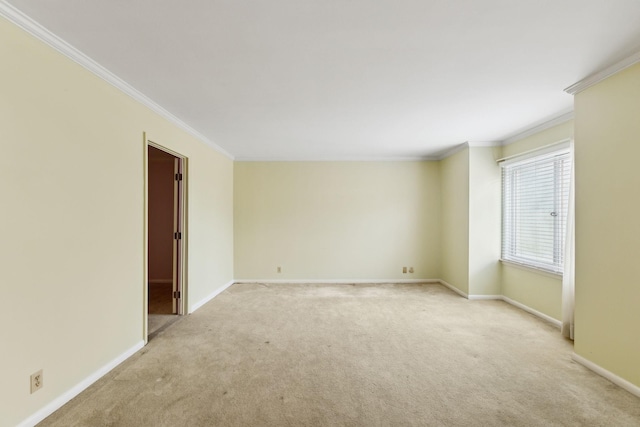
x=165 y=238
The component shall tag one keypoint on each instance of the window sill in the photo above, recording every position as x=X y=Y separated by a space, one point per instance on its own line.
x=532 y=269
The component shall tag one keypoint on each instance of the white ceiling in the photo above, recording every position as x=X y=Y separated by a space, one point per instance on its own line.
x=349 y=79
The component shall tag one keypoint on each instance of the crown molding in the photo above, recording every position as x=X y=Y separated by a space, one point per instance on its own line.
x=32 y=27
x=450 y=152
x=336 y=159
x=484 y=143
x=468 y=144
x=602 y=74
x=562 y=118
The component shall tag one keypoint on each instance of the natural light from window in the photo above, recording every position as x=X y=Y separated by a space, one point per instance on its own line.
x=535 y=196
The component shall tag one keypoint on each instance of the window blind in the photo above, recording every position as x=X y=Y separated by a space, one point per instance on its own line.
x=535 y=196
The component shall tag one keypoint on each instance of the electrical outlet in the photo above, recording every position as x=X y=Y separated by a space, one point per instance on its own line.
x=404 y=270
x=36 y=381
x=279 y=269
x=410 y=269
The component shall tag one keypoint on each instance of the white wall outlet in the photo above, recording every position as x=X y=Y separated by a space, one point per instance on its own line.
x=37 y=381
x=410 y=269
x=404 y=270
x=279 y=269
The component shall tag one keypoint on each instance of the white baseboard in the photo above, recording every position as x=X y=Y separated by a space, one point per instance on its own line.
x=630 y=387
x=211 y=296
x=453 y=288
x=77 y=389
x=533 y=311
x=521 y=306
x=485 y=297
x=58 y=402
x=336 y=281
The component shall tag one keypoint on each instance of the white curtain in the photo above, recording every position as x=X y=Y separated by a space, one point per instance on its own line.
x=569 y=274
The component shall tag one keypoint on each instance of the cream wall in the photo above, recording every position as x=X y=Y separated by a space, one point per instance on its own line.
x=454 y=175
x=73 y=265
x=540 y=291
x=607 y=150
x=72 y=221
x=484 y=221
x=337 y=220
x=548 y=136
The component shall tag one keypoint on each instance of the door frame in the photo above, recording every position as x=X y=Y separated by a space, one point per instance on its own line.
x=181 y=252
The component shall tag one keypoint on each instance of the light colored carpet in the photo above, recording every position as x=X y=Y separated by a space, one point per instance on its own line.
x=352 y=355
x=158 y=322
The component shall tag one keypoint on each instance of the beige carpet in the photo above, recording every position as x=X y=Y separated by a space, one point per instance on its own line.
x=352 y=355
x=158 y=322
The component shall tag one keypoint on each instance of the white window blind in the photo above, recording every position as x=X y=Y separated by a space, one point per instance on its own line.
x=535 y=196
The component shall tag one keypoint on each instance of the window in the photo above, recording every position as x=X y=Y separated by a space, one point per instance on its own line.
x=535 y=196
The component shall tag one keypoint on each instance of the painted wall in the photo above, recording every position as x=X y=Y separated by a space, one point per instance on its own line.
x=337 y=220
x=454 y=175
x=485 y=188
x=72 y=184
x=540 y=291
x=607 y=150
x=548 y=136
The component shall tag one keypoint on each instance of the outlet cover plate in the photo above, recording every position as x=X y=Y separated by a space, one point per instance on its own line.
x=36 y=381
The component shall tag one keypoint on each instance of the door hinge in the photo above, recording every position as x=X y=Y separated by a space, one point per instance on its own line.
x=178 y=177
x=176 y=294
x=177 y=235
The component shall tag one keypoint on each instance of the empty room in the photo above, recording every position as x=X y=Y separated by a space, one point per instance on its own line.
x=320 y=213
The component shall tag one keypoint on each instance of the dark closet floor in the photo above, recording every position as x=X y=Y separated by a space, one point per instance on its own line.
x=160 y=298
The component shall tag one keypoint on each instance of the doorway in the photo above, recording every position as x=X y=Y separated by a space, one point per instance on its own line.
x=165 y=238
